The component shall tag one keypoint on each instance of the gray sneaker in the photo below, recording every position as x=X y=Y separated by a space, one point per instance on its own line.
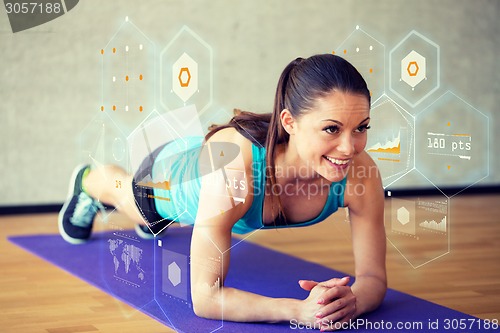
x=77 y=214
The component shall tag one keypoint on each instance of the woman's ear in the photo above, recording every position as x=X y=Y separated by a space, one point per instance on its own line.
x=288 y=121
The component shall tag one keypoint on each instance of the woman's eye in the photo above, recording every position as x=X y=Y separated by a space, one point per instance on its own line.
x=331 y=129
x=363 y=128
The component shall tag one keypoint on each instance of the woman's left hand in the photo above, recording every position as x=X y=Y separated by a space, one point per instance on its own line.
x=338 y=300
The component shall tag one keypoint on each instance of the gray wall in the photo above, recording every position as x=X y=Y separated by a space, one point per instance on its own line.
x=51 y=75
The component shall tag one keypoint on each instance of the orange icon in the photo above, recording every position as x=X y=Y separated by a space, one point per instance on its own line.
x=184 y=83
x=409 y=69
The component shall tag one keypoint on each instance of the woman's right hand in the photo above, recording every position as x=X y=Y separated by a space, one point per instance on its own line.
x=309 y=310
x=310 y=307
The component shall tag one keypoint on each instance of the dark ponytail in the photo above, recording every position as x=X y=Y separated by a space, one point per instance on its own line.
x=300 y=84
x=278 y=136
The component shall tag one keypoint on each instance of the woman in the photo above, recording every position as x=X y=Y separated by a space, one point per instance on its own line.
x=297 y=165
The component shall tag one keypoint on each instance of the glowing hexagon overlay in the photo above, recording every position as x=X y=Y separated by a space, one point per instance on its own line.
x=186 y=71
x=390 y=139
x=102 y=142
x=128 y=76
x=452 y=143
x=217 y=117
x=179 y=128
x=144 y=143
x=174 y=274
x=403 y=215
x=414 y=68
x=367 y=54
x=418 y=227
x=185 y=83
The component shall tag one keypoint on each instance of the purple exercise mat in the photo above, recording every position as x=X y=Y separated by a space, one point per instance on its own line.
x=153 y=277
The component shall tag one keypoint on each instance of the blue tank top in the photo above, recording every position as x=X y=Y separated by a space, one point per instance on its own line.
x=178 y=163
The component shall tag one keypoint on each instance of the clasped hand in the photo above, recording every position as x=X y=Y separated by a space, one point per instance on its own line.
x=329 y=302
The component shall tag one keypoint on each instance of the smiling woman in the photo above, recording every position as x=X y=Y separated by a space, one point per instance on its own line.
x=298 y=165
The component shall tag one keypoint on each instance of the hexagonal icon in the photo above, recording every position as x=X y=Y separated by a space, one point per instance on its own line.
x=452 y=144
x=128 y=76
x=126 y=263
x=174 y=277
x=390 y=139
x=185 y=77
x=414 y=68
x=403 y=215
x=367 y=54
x=418 y=227
x=174 y=274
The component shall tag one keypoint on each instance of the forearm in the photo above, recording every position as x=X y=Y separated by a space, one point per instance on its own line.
x=236 y=305
x=369 y=292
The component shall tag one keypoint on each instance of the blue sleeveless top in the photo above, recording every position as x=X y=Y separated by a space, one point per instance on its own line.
x=180 y=202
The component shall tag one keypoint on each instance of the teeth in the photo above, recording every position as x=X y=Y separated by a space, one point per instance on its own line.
x=339 y=162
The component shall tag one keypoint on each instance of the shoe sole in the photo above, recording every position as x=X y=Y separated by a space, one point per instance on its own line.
x=71 y=191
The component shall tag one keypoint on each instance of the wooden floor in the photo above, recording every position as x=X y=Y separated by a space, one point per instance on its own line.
x=38 y=297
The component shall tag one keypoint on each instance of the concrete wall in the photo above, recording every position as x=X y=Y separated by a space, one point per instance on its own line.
x=51 y=75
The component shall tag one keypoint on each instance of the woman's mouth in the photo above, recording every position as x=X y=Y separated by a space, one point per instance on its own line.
x=337 y=163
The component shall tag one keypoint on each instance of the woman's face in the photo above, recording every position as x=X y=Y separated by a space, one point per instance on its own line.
x=332 y=133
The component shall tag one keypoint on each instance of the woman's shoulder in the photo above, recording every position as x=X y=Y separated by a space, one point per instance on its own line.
x=232 y=137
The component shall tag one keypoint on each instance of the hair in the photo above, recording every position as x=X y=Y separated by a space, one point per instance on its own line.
x=301 y=83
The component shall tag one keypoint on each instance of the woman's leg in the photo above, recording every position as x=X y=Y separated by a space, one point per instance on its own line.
x=112 y=185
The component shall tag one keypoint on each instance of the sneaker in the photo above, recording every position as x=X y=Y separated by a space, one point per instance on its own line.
x=145 y=232
x=77 y=214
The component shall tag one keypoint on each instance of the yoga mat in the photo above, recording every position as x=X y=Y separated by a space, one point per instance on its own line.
x=152 y=276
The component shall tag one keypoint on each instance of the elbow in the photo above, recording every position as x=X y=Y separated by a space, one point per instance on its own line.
x=206 y=308
x=202 y=310
x=381 y=295
x=381 y=291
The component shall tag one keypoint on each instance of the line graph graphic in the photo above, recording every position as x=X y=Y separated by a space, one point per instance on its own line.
x=433 y=225
x=390 y=147
x=148 y=182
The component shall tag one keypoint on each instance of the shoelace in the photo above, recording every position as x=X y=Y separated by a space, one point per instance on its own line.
x=85 y=210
